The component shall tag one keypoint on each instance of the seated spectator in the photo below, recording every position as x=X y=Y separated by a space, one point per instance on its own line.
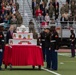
x=56 y=3
x=8 y=7
x=73 y=7
x=66 y=15
x=19 y=19
x=3 y=15
x=47 y=18
x=63 y=21
x=42 y=7
x=13 y=8
x=68 y=1
x=6 y=23
x=34 y=3
x=13 y=20
x=71 y=18
x=40 y=18
x=38 y=14
x=17 y=6
x=51 y=2
x=11 y=2
x=51 y=11
x=62 y=9
x=37 y=6
x=56 y=12
x=3 y=7
x=66 y=7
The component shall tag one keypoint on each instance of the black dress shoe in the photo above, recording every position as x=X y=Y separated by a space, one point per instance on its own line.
x=39 y=67
x=48 y=68
x=5 y=66
x=33 y=67
x=54 y=69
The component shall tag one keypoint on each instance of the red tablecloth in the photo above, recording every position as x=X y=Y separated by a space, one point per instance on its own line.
x=23 y=55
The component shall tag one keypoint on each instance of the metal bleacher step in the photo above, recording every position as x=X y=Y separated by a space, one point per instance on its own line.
x=25 y=11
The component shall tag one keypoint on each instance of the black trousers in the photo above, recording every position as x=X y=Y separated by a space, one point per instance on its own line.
x=1 y=54
x=54 y=60
x=72 y=51
x=48 y=58
x=1 y=57
x=44 y=53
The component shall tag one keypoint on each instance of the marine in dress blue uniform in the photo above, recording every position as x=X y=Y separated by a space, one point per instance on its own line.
x=54 y=46
x=45 y=43
x=1 y=45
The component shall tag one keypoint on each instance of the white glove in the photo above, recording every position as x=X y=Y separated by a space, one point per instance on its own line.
x=56 y=50
x=1 y=50
x=49 y=48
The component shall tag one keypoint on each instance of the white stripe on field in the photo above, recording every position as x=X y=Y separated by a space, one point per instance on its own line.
x=64 y=54
x=51 y=71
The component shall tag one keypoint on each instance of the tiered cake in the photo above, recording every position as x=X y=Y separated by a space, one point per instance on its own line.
x=23 y=37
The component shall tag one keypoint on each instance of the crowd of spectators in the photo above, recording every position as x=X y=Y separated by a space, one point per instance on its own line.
x=45 y=11
x=9 y=13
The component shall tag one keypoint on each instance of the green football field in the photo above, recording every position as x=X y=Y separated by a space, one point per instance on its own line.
x=66 y=66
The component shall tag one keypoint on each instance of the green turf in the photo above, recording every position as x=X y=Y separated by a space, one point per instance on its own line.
x=66 y=66
x=25 y=73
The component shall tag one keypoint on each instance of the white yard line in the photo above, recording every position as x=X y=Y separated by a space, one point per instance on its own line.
x=51 y=71
x=55 y=73
x=64 y=54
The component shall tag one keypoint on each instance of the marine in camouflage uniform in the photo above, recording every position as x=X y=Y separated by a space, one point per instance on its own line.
x=62 y=10
x=51 y=10
x=19 y=18
x=72 y=8
x=66 y=7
